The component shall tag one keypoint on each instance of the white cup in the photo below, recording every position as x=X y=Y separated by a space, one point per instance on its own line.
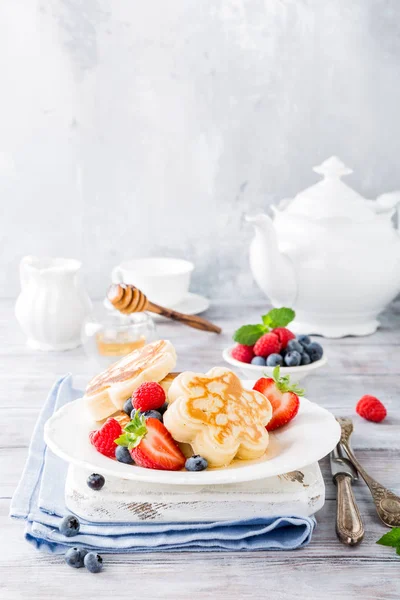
x=165 y=281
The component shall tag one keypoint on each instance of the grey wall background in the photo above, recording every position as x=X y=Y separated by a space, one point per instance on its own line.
x=145 y=128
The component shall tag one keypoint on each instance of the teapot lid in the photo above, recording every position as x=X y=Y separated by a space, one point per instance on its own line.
x=331 y=197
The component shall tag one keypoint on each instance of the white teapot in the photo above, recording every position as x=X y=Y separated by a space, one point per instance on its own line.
x=330 y=254
x=53 y=302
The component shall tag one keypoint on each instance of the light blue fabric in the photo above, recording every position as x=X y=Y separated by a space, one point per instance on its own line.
x=39 y=500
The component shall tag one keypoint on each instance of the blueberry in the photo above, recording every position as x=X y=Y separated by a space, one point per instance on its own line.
x=123 y=455
x=274 y=360
x=196 y=463
x=315 y=351
x=128 y=408
x=69 y=525
x=305 y=358
x=163 y=408
x=95 y=481
x=293 y=359
x=152 y=414
x=74 y=557
x=304 y=340
x=259 y=361
x=294 y=345
x=93 y=562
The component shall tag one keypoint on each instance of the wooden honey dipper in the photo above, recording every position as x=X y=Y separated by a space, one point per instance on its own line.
x=128 y=299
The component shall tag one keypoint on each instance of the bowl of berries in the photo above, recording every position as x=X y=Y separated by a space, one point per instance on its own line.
x=262 y=347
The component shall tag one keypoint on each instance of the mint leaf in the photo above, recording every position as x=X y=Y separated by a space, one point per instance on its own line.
x=391 y=538
x=278 y=317
x=249 y=334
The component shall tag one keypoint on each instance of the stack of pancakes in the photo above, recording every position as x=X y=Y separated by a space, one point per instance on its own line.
x=107 y=392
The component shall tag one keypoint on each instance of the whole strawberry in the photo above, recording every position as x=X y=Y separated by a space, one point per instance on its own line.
x=371 y=408
x=267 y=344
x=103 y=438
x=243 y=353
x=148 y=396
x=284 y=335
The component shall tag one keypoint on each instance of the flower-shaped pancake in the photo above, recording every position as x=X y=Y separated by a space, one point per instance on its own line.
x=218 y=417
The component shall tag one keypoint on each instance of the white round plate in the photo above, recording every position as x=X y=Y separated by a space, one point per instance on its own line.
x=308 y=438
x=255 y=371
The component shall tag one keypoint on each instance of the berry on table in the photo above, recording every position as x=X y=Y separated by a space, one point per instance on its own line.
x=123 y=455
x=74 y=557
x=69 y=525
x=148 y=396
x=294 y=345
x=243 y=353
x=93 y=562
x=292 y=359
x=103 y=438
x=128 y=406
x=315 y=351
x=196 y=463
x=370 y=408
x=152 y=414
x=267 y=344
x=274 y=360
x=96 y=481
x=304 y=340
x=284 y=335
x=305 y=358
x=259 y=361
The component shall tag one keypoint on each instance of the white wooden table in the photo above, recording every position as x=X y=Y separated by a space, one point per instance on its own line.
x=325 y=570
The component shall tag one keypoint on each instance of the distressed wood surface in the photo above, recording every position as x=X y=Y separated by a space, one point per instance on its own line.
x=324 y=570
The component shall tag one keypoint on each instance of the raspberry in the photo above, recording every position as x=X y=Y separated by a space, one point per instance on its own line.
x=243 y=353
x=371 y=408
x=103 y=438
x=148 y=396
x=267 y=344
x=284 y=335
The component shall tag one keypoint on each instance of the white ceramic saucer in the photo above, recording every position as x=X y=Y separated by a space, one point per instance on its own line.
x=193 y=304
x=308 y=438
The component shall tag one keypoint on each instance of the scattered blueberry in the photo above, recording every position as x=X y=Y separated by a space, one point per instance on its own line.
x=93 y=562
x=153 y=414
x=123 y=455
x=274 y=360
x=196 y=463
x=305 y=358
x=259 y=361
x=128 y=408
x=133 y=413
x=293 y=359
x=315 y=351
x=74 y=557
x=294 y=345
x=69 y=525
x=163 y=408
x=95 y=481
x=304 y=340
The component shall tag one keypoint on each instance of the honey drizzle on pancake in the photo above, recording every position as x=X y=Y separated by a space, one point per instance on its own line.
x=234 y=407
x=128 y=367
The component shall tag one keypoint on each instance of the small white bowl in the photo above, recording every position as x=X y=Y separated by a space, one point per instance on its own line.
x=255 y=372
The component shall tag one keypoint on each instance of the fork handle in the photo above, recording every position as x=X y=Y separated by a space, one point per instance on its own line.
x=349 y=525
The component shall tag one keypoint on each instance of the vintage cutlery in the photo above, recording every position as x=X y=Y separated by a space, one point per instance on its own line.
x=386 y=503
x=128 y=299
x=349 y=526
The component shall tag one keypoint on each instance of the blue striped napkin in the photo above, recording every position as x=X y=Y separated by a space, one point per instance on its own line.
x=39 y=501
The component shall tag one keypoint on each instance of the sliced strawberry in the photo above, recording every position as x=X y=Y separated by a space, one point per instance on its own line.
x=151 y=445
x=284 y=398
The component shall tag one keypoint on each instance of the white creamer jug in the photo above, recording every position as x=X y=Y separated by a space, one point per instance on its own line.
x=53 y=302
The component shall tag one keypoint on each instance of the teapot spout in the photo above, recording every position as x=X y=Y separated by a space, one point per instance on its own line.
x=272 y=269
